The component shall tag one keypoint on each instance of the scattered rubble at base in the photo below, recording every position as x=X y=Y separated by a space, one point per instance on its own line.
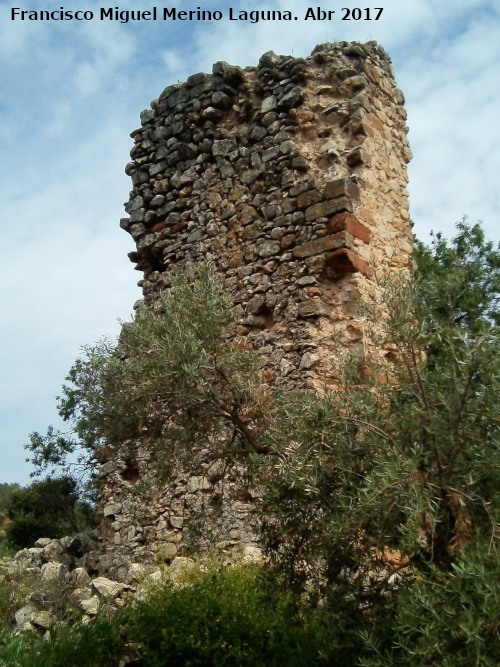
x=56 y=581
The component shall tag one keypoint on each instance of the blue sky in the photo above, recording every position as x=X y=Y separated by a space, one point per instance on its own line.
x=71 y=92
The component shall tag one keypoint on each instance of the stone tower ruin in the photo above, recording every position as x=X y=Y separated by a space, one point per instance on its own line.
x=291 y=178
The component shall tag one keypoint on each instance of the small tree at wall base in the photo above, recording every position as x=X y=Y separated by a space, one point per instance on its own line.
x=387 y=491
x=175 y=386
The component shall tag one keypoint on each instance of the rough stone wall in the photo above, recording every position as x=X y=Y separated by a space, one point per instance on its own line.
x=291 y=178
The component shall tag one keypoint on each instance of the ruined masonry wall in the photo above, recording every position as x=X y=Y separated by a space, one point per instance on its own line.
x=291 y=177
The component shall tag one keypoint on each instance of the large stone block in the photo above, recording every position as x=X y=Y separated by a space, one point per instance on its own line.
x=342 y=187
x=307 y=199
x=346 y=222
x=344 y=261
x=317 y=246
x=312 y=308
x=327 y=208
x=358 y=157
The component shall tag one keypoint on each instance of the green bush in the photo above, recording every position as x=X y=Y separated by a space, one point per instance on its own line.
x=15 y=588
x=6 y=491
x=381 y=485
x=49 y=508
x=451 y=619
x=228 y=616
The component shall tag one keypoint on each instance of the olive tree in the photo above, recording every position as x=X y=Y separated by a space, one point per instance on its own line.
x=175 y=384
x=386 y=492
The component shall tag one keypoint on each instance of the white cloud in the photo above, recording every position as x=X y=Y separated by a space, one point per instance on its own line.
x=173 y=62
x=17 y=38
x=452 y=102
x=107 y=47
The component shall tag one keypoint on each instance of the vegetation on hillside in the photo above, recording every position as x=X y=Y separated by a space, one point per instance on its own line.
x=6 y=491
x=46 y=508
x=382 y=520
x=230 y=615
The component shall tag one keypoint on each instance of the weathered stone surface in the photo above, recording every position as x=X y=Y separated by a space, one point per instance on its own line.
x=268 y=249
x=43 y=619
x=269 y=104
x=306 y=280
x=112 y=509
x=53 y=571
x=356 y=82
x=291 y=99
x=42 y=542
x=342 y=187
x=168 y=551
x=249 y=177
x=308 y=198
x=56 y=551
x=91 y=605
x=252 y=553
x=81 y=544
x=308 y=361
x=357 y=157
x=197 y=483
x=320 y=245
x=80 y=578
x=346 y=222
x=106 y=587
x=312 y=308
x=195 y=235
x=326 y=208
x=256 y=304
x=136 y=572
x=223 y=147
x=344 y=261
x=24 y=614
x=180 y=567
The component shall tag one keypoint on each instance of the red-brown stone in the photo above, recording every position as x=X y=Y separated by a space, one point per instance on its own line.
x=287 y=241
x=158 y=227
x=317 y=246
x=346 y=222
x=343 y=261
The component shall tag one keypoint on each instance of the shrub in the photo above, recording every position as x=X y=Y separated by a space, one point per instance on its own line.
x=379 y=484
x=49 y=508
x=227 y=616
x=175 y=377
